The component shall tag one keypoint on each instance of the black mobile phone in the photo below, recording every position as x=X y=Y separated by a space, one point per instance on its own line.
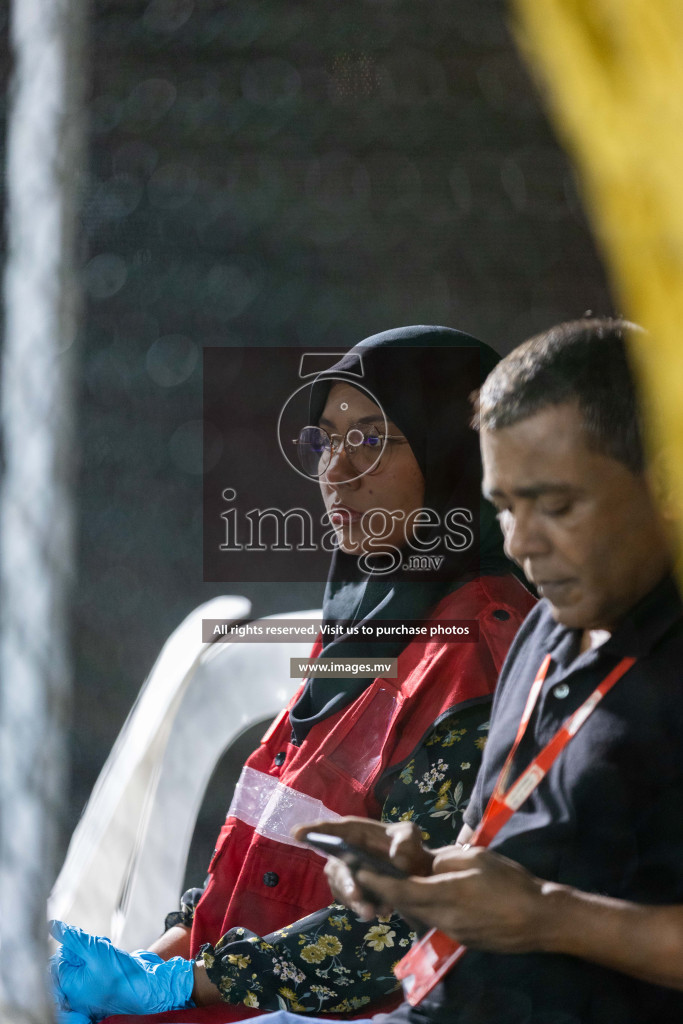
x=355 y=857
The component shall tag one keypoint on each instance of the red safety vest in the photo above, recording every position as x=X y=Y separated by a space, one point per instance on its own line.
x=259 y=877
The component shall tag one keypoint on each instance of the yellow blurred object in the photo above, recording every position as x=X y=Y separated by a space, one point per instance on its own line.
x=612 y=73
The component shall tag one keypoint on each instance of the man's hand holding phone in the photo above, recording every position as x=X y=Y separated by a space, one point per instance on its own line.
x=371 y=852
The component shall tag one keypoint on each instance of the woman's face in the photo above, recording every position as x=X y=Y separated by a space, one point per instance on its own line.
x=396 y=486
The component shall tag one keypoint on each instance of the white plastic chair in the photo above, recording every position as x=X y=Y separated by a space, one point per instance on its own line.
x=125 y=864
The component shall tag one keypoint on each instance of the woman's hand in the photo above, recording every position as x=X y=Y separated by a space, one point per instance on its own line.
x=94 y=978
x=400 y=843
x=477 y=897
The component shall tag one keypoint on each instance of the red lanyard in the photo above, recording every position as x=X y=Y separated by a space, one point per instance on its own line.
x=503 y=803
x=435 y=954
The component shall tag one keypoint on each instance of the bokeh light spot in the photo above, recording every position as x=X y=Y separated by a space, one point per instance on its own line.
x=105 y=275
x=168 y=15
x=195 y=446
x=171 y=360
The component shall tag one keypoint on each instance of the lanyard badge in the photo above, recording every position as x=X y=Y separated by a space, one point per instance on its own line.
x=435 y=954
x=425 y=965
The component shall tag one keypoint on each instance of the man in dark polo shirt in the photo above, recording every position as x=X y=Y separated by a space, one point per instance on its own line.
x=564 y=465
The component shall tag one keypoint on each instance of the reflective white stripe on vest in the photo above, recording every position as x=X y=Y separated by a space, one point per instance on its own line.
x=274 y=809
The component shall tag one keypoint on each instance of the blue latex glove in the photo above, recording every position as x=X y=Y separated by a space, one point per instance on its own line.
x=94 y=978
x=71 y=1017
x=63 y=1013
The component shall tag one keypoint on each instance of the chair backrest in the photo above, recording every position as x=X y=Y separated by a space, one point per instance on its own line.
x=125 y=865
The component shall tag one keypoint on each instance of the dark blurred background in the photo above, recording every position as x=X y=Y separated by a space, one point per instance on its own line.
x=280 y=172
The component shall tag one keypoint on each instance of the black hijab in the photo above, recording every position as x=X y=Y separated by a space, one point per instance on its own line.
x=422 y=377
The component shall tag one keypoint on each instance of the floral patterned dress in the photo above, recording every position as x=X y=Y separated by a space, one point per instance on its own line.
x=330 y=962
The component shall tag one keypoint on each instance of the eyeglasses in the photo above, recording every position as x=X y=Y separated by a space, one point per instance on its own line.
x=363 y=446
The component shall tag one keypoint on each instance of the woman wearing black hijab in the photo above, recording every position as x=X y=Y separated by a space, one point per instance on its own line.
x=423 y=377
x=388 y=439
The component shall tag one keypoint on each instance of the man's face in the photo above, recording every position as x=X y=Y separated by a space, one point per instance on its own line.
x=582 y=526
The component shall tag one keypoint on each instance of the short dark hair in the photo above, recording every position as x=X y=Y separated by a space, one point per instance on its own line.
x=583 y=361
